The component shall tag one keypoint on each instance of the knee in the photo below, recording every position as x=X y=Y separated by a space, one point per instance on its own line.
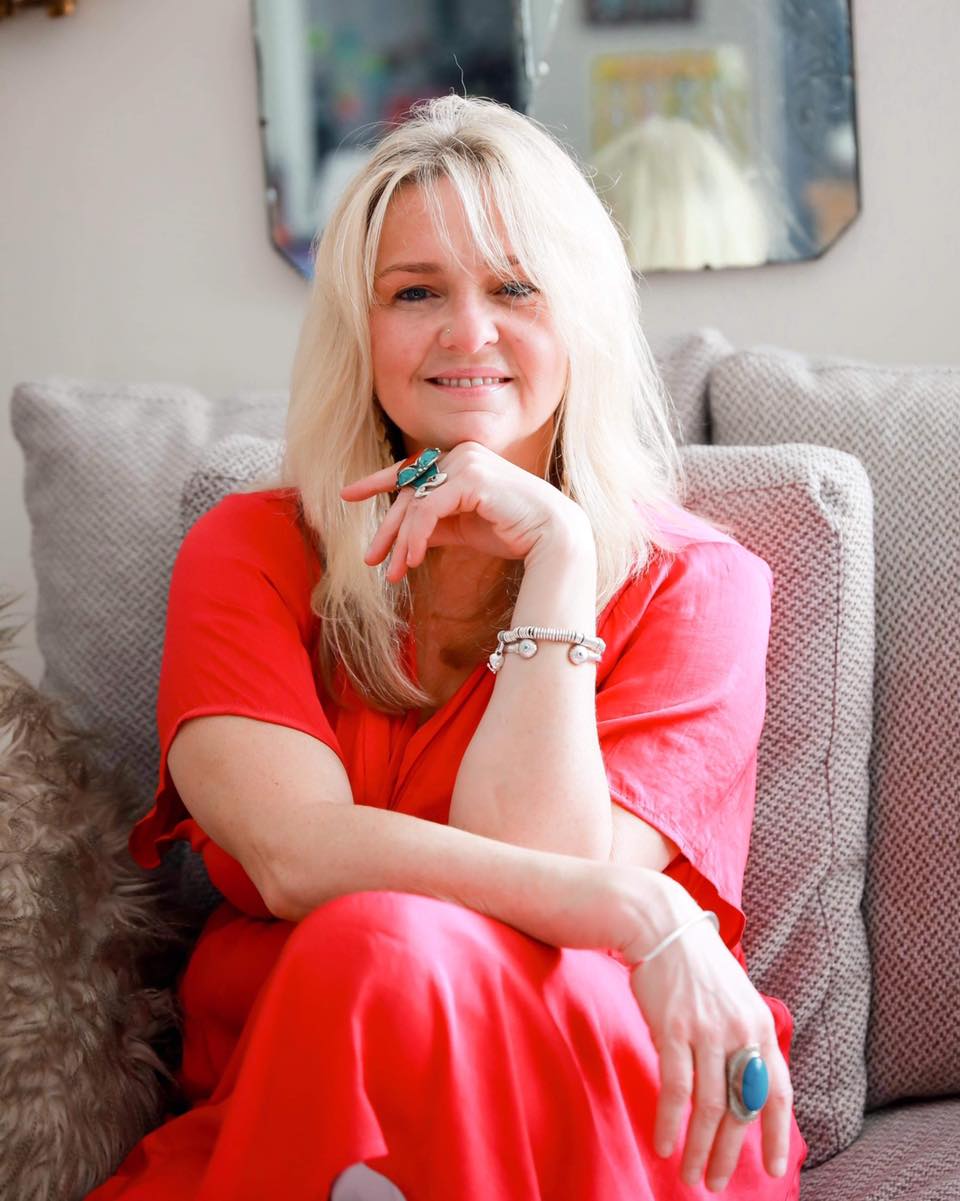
x=372 y=961
x=403 y=917
x=359 y=929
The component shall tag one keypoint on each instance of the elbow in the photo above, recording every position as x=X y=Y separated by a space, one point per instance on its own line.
x=281 y=905
x=276 y=884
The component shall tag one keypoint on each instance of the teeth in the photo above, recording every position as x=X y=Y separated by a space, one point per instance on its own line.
x=476 y=382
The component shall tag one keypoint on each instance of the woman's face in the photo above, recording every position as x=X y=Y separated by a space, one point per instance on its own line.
x=435 y=322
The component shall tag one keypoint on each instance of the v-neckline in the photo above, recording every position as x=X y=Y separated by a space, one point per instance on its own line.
x=420 y=736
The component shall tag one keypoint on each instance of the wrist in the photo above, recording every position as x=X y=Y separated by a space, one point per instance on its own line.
x=651 y=906
x=565 y=540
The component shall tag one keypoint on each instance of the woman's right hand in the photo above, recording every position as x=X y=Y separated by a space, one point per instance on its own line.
x=701 y=1008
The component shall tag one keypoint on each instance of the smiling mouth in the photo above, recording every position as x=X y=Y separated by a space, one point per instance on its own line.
x=464 y=383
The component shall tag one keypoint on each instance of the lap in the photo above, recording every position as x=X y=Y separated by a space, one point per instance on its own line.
x=449 y=1051
x=394 y=946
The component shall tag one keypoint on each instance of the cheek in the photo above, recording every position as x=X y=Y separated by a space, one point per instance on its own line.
x=538 y=342
x=546 y=359
x=394 y=351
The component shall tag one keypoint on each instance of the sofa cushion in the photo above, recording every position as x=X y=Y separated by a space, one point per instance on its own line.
x=904 y=425
x=905 y=1153
x=807 y=512
x=237 y=463
x=685 y=362
x=104 y=471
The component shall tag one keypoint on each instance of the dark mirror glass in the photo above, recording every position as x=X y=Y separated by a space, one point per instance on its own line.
x=721 y=133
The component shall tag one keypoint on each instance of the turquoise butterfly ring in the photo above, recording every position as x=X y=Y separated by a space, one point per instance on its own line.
x=422 y=469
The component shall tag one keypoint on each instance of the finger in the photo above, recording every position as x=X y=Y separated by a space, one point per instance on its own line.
x=397 y=567
x=421 y=520
x=377 y=550
x=776 y=1114
x=384 y=480
x=709 y=1110
x=676 y=1087
x=726 y=1152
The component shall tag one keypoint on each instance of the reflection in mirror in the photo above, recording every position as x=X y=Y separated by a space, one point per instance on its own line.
x=333 y=73
x=724 y=136
x=719 y=132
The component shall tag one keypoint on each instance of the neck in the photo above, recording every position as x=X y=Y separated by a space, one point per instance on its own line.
x=456 y=582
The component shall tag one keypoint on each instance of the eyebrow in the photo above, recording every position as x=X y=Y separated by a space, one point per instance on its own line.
x=426 y=268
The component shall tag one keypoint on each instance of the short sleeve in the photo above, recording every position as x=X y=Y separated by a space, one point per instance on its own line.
x=680 y=709
x=238 y=635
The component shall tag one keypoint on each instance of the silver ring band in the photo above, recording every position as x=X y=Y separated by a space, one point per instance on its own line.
x=434 y=481
x=737 y=1065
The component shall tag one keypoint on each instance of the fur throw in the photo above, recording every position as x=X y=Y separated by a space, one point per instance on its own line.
x=82 y=928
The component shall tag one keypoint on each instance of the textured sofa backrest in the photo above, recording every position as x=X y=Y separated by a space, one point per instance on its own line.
x=904 y=425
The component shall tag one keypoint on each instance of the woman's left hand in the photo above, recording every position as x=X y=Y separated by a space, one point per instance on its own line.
x=486 y=503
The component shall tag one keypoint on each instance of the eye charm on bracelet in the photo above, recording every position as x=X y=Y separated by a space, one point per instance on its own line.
x=522 y=641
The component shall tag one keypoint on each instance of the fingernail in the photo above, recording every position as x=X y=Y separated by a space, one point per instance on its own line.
x=716 y=1184
x=779 y=1167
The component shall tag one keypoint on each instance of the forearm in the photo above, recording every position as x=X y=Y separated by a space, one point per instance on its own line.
x=560 y=899
x=533 y=774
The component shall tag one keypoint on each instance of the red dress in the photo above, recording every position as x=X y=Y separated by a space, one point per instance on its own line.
x=460 y=1057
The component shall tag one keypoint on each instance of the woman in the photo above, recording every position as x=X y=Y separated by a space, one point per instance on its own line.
x=468 y=872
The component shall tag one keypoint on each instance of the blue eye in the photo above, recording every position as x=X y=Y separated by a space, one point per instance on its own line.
x=413 y=288
x=516 y=287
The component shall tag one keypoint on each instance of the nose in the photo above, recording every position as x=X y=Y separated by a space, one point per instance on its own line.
x=468 y=323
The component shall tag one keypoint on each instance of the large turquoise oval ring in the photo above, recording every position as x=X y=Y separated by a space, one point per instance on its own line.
x=748 y=1084
x=423 y=468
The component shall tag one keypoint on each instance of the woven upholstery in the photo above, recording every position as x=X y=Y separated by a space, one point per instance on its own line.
x=105 y=467
x=807 y=512
x=904 y=426
x=908 y=1153
x=237 y=463
x=685 y=362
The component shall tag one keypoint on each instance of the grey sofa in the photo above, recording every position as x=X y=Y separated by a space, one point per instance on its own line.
x=844 y=477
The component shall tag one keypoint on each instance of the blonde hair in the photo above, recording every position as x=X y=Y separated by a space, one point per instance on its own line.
x=613 y=450
x=681 y=200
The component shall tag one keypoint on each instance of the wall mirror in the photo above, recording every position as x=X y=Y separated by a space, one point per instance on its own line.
x=721 y=133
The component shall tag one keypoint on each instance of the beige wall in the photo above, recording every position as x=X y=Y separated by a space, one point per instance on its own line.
x=133 y=239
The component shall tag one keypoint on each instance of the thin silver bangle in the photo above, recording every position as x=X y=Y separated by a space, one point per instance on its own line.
x=675 y=934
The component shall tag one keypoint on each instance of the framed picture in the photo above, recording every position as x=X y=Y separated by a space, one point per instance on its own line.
x=623 y=12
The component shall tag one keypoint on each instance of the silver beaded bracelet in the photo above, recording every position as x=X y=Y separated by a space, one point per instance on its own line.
x=523 y=640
